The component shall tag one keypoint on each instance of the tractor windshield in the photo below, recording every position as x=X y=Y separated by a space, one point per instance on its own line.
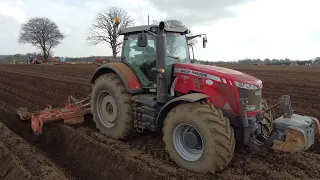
x=143 y=59
x=177 y=48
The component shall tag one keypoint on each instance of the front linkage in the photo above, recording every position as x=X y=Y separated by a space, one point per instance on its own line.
x=291 y=132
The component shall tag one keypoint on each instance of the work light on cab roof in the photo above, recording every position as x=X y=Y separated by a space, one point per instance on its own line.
x=117 y=20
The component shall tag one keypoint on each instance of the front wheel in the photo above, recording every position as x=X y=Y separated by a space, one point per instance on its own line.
x=198 y=137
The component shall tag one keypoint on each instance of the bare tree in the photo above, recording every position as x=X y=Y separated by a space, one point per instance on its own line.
x=42 y=33
x=177 y=24
x=105 y=30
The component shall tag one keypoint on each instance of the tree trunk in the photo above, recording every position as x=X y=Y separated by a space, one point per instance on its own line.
x=45 y=55
x=114 y=52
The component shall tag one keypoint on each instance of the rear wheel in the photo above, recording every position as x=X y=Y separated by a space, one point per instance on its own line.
x=111 y=107
x=198 y=137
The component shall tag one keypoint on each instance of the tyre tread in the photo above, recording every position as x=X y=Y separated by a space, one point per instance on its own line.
x=123 y=98
x=221 y=132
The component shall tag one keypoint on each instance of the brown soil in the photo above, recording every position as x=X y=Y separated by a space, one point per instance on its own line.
x=19 y=160
x=83 y=153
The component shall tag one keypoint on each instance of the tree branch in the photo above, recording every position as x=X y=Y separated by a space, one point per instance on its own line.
x=102 y=28
x=42 y=33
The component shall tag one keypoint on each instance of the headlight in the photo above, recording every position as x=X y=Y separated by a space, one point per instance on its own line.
x=250 y=107
x=259 y=83
x=245 y=85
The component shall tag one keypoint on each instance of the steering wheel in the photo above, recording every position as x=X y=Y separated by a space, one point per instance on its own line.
x=139 y=59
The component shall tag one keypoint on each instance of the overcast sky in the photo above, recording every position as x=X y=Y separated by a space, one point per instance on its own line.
x=236 y=29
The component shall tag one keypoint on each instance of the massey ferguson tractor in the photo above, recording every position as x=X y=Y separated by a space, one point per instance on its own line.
x=203 y=111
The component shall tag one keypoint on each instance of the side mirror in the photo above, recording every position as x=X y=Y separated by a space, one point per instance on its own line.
x=204 y=42
x=142 y=40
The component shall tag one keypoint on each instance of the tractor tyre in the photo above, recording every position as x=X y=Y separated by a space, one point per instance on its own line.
x=268 y=117
x=111 y=107
x=198 y=137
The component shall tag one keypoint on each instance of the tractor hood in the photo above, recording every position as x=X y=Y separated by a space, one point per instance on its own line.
x=217 y=73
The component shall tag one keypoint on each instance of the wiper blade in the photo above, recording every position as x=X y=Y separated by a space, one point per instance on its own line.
x=173 y=57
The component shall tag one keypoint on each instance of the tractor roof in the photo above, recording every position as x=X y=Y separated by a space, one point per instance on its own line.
x=148 y=27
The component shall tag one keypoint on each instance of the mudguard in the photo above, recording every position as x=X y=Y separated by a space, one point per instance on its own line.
x=193 y=97
x=128 y=77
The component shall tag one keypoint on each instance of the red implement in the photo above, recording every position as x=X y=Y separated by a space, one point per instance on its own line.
x=72 y=113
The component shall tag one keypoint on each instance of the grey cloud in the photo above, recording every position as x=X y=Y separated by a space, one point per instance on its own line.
x=9 y=34
x=198 y=12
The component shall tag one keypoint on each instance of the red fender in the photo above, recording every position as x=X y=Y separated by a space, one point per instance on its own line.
x=127 y=75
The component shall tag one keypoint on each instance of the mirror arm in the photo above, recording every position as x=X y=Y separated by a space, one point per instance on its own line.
x=153 y=34
x=192 y=52
x=192 y=37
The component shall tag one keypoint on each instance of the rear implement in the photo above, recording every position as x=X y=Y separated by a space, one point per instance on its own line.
x=72 y=113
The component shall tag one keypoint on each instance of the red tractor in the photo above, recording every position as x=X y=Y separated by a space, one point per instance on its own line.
x=98 y=61
x=203 y=111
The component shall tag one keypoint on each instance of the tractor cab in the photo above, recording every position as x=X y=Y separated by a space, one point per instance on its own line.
x=139 y=51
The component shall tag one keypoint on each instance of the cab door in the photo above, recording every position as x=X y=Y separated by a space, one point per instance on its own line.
x=141 y=59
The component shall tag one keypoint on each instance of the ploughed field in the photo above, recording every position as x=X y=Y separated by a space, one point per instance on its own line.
x=81 y=152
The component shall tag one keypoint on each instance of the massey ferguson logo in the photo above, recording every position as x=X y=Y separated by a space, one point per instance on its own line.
x=194 y=72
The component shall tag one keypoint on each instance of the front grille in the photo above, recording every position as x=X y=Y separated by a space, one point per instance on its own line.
x=253 y=96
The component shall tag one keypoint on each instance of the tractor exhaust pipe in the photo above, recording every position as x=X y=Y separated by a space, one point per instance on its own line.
x=161 y=46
